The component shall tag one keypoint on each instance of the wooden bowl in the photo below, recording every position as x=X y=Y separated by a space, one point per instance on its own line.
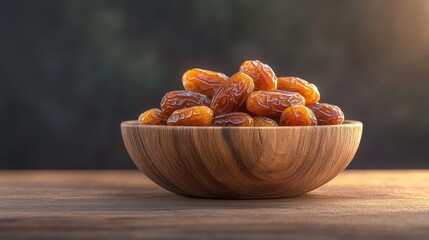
x=241 y=162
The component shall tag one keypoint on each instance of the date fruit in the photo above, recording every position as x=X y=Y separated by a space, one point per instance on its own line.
x=293 y=84
x=327 y=114
x=264 y=122
x=232 y=94
x=262 y=75
x=176 y=100
x=153 y=116
x=193 y=116
x=254 y=96
x=298 y=115
x=203 y=81
x=237 y=119
x=272 y=103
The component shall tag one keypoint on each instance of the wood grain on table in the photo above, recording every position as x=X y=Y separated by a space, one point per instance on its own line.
x=126 y=205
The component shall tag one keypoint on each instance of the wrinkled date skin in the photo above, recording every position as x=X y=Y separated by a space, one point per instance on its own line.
x=232 y=94
x=153 y=116
x=262 y=75
x=193 y=116
x=264 y=122
x=237 y=119
x=254 y=96
x=176 y=100
x=298 y=115
x=203 y=81
x=272 y=103
x=327 y=114
x=293 y=84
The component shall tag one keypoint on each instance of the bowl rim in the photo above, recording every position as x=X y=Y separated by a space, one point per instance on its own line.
x=346 y=123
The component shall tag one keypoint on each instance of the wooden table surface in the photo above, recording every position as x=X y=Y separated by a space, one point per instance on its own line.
x=126 y=205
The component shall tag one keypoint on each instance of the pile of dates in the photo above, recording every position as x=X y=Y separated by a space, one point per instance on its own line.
x=254 y=96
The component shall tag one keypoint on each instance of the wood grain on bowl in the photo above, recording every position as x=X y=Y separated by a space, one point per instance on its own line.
x=241 y=163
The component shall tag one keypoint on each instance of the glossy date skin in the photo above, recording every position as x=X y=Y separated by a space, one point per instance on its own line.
x=232 y=94
x=272 y=103
x=153 y=116
x=298 y=115
x=254 y=96
x=327 y=114
x=176 y=100
x=193 y=116
x=293 y=84
x=264 y=122
x=262 y=75
x=237 y=119
x=203 y=81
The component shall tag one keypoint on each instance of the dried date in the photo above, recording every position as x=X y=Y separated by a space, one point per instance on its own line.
x=153 y=116
x=293 y=84
x=262 y=75
x=176 y=100
x=193 y=116
x=264 y=122
x=237 y=119
x=327 y=114
x=232 y=94
x=203 y=81
x=298 y=115
x=272 y=103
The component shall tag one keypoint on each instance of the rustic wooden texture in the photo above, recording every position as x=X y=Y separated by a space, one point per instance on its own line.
x=246 y=162
x=127 y=205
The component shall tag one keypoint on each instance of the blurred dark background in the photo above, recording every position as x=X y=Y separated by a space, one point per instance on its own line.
x=71 y=71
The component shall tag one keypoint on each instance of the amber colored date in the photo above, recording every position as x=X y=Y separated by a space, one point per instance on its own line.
x=298 y=115
x=203 y=81
x=232 y=94
x=176 y=100
x=293 y=84
x=262 y=75
x=327 y=114
x=193 y=116
x=272 y=103
x=237 y=119
x=153 y=116
x=264 y=122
